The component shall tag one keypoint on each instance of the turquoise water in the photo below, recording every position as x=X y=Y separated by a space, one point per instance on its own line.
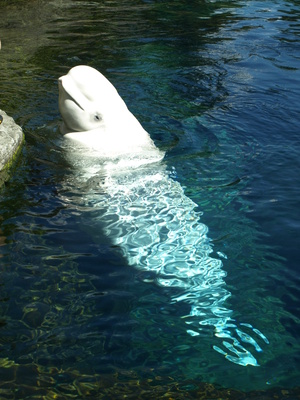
x=216 y=84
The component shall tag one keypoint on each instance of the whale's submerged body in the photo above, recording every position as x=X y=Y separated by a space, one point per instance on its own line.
x=147 y=213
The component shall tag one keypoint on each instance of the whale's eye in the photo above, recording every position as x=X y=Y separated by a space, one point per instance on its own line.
x=97 y=117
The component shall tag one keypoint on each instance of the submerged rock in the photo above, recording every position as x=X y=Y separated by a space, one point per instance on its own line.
x=11 y=140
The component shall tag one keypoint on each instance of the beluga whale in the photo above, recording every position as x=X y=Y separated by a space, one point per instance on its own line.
x=146 y=212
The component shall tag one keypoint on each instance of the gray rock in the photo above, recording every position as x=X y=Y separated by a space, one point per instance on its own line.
x=11 y=140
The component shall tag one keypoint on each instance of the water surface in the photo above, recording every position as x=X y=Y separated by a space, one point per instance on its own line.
x=216 y=84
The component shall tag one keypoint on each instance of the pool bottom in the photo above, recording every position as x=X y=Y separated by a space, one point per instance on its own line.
x=36 y=382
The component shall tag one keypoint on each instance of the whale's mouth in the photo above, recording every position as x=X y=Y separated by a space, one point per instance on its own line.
x=67 y=93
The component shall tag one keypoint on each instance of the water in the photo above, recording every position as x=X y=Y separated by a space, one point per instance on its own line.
x=217 y=87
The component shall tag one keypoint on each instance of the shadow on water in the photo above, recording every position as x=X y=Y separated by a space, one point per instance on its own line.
x=77 y=321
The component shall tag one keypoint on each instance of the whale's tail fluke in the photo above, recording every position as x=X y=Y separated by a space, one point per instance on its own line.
x=239 y=354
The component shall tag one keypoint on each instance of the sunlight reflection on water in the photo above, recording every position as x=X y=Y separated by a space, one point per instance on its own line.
x=72 y=310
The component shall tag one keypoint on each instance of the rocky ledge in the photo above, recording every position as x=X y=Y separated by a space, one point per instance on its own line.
x=11 y=140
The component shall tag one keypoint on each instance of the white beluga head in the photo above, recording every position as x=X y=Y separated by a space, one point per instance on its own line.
x=95 y=116
x=85 y=97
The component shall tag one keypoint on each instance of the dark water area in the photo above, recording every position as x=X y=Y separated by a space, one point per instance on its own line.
x=217 y=86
